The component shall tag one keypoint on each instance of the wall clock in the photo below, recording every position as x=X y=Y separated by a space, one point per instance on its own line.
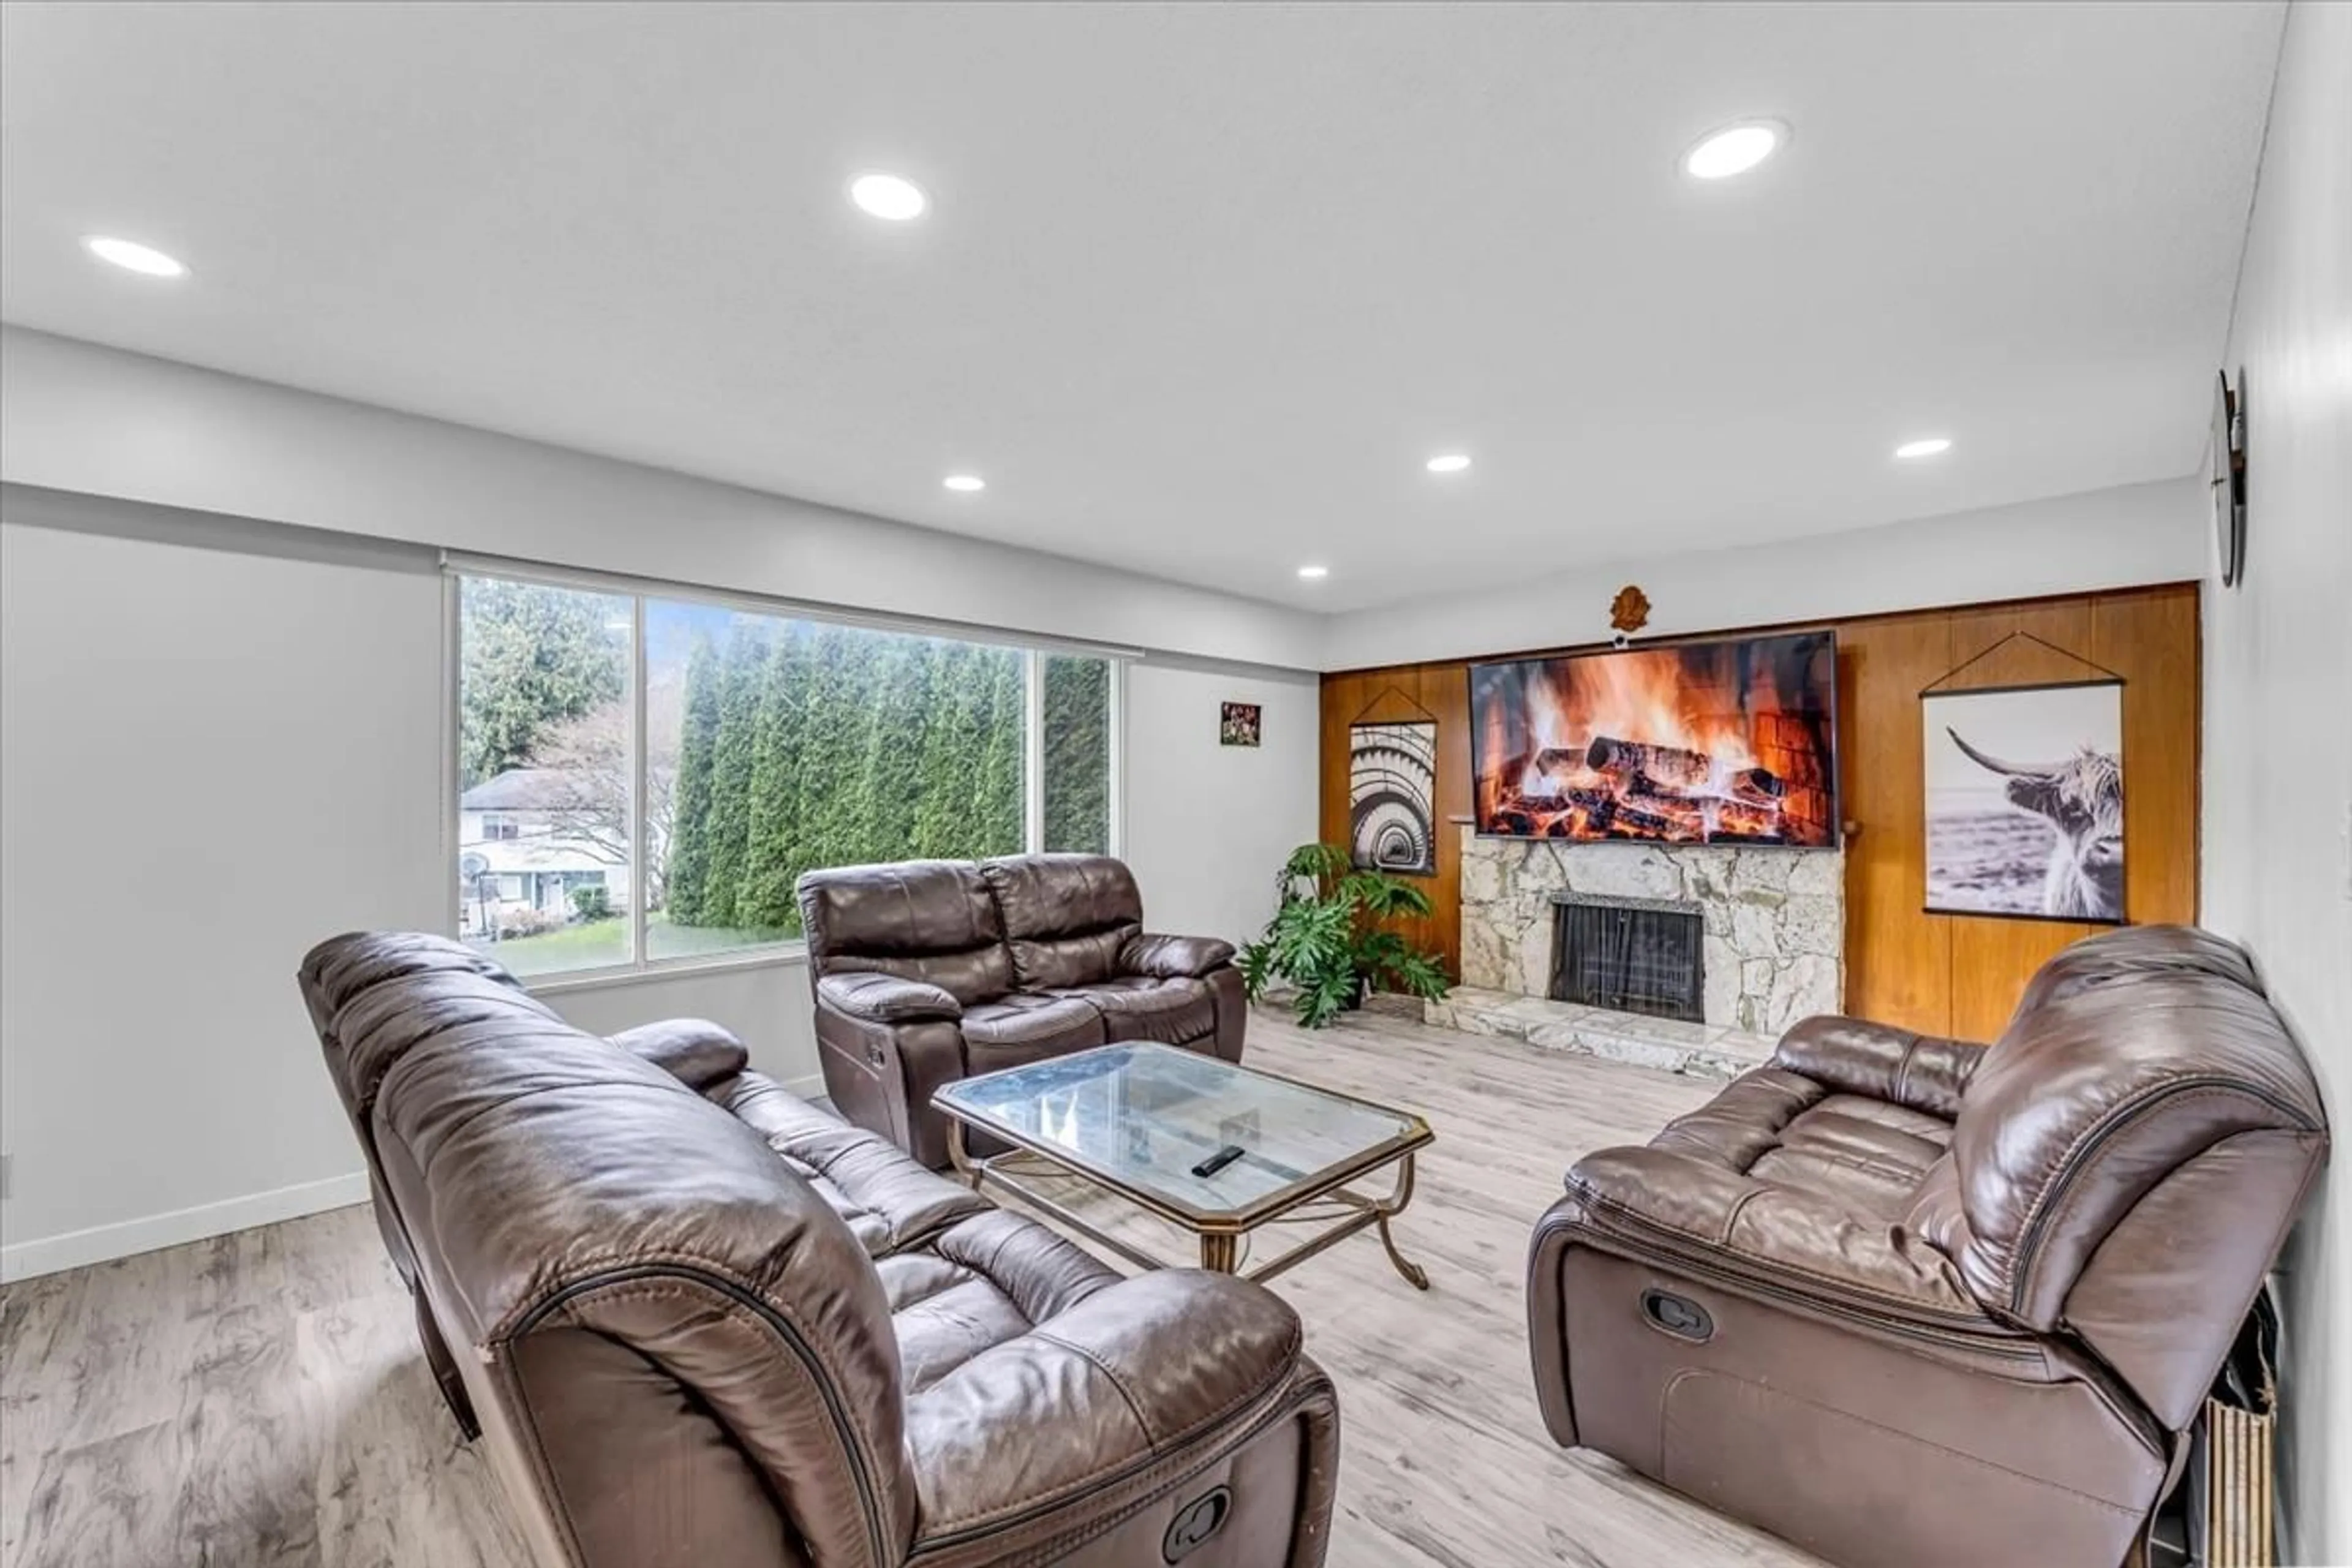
x=2229 y=475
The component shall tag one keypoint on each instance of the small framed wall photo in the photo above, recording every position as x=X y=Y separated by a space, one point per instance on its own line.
x=1237 y=724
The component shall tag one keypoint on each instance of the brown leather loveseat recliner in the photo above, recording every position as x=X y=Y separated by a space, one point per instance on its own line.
x=931 y=971
x=704 y=1324
x=1920 y=1301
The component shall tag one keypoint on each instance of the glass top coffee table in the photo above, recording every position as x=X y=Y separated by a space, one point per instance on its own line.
x=1160 y=1127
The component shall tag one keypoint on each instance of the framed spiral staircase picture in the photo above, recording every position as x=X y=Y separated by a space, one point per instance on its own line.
x=1391 y=798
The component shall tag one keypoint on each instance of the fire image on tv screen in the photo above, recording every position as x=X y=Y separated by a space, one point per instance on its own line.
x=1717 y=743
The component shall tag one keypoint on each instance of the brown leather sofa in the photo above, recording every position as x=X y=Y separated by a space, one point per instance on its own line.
x=1913 y=1300
x=932 y=971
x=705 y=1324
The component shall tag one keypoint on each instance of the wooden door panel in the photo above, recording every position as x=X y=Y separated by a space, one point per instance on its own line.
x=1897 y=959
x=2152 y=637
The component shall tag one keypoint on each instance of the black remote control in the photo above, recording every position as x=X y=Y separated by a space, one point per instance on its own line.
x=1218 y=1161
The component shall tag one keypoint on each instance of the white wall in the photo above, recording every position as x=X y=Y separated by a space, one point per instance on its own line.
x=2278 y=710
x=207 y=762
x=75 y=417
x=1207 y=825
x=2068 y=544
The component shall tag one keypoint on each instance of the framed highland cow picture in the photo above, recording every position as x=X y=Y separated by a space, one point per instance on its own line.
x=2025 y=801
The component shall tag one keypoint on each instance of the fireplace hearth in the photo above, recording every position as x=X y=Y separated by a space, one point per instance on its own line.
x=1634 y=955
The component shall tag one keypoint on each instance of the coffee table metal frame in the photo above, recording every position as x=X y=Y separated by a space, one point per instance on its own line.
x=1020 y=1170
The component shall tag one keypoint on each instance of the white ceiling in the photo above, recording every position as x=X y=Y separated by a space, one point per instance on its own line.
x=1203 y=285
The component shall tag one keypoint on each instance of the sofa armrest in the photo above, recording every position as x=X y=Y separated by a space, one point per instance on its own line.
x=1924 y=1072
x=885 y=998
x=1173 y=957
x=1656 y=1204
x=696 y=1051
x=1141 y=1383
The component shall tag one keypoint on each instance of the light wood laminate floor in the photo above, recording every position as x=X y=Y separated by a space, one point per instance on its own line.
x=260 y=1398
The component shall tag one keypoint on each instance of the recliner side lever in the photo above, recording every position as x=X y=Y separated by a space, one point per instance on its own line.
x=1677 y=1315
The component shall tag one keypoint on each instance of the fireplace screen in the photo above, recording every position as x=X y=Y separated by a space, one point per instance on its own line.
x=1634 y=955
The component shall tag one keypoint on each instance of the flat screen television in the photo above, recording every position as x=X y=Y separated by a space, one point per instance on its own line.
x=1709 y=743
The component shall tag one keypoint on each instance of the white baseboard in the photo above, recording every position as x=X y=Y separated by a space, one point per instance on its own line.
x=104 y=1243
x=126 y=1238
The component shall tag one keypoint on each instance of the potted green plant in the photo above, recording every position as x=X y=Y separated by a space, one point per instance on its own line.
x=1327 y=939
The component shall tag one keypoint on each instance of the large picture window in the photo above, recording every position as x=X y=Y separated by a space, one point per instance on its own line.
x=599 y=828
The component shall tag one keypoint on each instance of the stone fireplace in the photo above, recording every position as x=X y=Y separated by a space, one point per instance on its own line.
x=1772 y=920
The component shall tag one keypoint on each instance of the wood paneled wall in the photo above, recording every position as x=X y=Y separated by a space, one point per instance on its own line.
x=1941 y=974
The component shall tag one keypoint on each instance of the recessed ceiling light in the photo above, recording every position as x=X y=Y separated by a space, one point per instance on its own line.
x=1449 y=463
x=1314 y=574
x=1734 y=149
x=1926 y=446
x=889 y=197
x=132 y=257
x=965 y=483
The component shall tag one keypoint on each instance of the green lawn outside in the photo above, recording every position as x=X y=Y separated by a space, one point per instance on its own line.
x=664 y=939
x=591 y=944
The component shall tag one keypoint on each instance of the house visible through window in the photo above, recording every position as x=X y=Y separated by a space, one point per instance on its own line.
x=596 y=831
x=545 y=747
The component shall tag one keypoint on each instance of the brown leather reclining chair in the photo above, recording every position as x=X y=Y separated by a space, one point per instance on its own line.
x=1917 y=1301
x=706 y=1325
x=931 y=971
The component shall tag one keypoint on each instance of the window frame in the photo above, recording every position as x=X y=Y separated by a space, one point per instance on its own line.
x=792 y=950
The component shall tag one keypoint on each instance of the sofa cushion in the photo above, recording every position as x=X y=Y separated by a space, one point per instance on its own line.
x=1783 y=1130
x=1137 y=1008
x=2131 y=951
x=1028 y=1027
x=1142 y=1372
x=932 y=921
x=697 y=1052
x=886 y=998
x=993 y=1277
x=1066 y=917
x=889 y=1201
x=1854 y=1056
x=337 y=970
x=1154 y=952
